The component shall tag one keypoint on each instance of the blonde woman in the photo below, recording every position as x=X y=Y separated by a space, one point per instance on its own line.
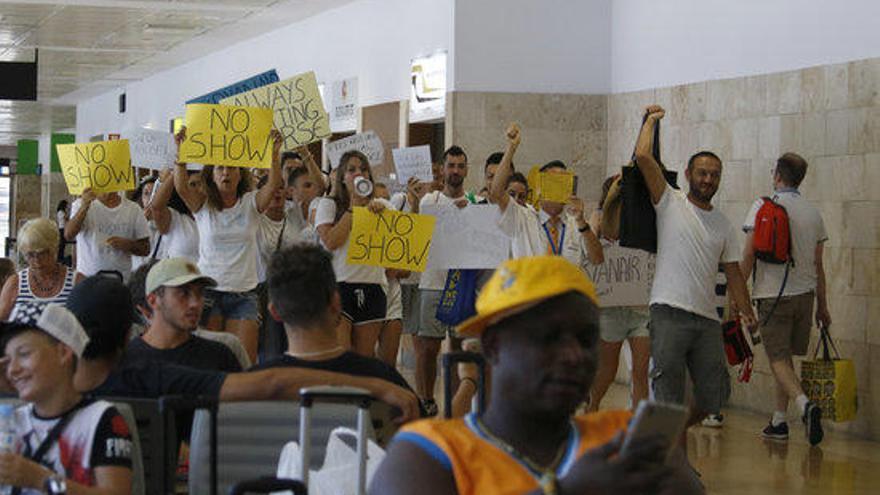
x=44 y=281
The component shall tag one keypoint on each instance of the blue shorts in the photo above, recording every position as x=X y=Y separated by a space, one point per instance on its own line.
x=231 y=305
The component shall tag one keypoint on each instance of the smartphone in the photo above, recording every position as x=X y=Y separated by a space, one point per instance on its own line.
x=656 y=418
x=574 y=186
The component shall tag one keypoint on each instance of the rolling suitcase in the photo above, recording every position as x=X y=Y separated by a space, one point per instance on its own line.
x=451 y=359
x=339 y=395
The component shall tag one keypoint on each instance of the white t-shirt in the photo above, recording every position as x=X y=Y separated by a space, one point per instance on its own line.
x=529 y=232
x=691 y=242
x=354 y=274
x=182 y=239
x=807 y=230
x=436 y=279
x=93 y=254
x=228 y=244
x=267 y=241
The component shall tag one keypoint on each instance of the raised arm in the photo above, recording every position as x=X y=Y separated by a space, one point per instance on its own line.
x=193 y=198
x=498 y=188
x=74 y=225
x=264 y=195
x=595 y=252
x=645 y=158
x=159 y=201
x=315 y=174
x=334 y=235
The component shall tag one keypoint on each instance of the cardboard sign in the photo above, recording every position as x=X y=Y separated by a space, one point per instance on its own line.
x=103 y=166
x=467 y=237
x=556 y=187
x=413 y=162
x=151 y=149
x=297 y=105
x=625 y=278
x=224 y=135
x=214 y=97
x=367 y=143
x=392 y=240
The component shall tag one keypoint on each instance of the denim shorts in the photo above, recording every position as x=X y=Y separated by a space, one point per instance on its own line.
x=617 y=324
x=231 y=305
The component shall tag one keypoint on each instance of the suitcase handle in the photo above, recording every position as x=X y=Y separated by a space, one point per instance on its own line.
x=267 y=485
x=338 y=395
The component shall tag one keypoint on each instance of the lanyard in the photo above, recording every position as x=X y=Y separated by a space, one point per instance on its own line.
x=555 y=248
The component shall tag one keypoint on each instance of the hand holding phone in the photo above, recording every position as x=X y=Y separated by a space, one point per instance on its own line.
x=656 y=419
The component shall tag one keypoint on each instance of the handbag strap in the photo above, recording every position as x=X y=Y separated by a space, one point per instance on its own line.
x=826 y=343
x=156 y=249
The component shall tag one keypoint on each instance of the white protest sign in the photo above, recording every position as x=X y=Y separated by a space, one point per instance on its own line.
x=625 y=278
x=413 y=162
x=367 y=143
x=151 y=148
x=343 y=104
x=467 y=237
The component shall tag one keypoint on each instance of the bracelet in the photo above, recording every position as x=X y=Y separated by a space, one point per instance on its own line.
x=585 y=229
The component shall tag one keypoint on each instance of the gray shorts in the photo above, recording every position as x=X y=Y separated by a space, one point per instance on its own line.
x=787 y=332
x=617 y=324
x=683 y=341
x=429 y=326
x=409 y=297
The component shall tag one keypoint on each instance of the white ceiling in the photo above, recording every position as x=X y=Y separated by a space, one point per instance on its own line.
x=88 y=47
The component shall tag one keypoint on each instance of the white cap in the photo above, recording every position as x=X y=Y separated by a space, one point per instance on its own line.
x=60 y=323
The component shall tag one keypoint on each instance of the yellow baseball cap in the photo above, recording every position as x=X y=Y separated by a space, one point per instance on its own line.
x=521 y=283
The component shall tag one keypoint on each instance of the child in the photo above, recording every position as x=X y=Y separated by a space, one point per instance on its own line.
x=65 y=443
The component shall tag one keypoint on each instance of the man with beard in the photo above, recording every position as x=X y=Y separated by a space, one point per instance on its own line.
x=174 y=290
x=538 y=321
x=430 y=332
x=693 y=237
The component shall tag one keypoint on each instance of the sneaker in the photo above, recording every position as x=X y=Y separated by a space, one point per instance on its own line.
x=813 y=423
x=430 y=407
x=778 y=432
x=714 y=421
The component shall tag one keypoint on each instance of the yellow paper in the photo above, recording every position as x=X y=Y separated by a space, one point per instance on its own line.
x=299 y=111
x=391 y=240
x=534 y=180
x=556 y=187
x=104 y=166
x=227 y=135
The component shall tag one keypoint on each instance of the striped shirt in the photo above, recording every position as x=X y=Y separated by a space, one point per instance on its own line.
x=29 y=306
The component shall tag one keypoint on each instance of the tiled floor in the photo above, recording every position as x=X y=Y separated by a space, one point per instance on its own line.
x=735 y=459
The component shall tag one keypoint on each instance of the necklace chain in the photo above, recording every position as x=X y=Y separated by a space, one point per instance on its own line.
x=549 y=469
x=316 y=353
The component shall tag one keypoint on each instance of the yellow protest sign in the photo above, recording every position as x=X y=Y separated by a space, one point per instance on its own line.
x=227 y=135
x=299 y=111
x=392 y=240
x=556 y=187
x=104 y=166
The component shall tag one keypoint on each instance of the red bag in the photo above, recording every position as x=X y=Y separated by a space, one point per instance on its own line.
x=737 y=349
x=772 y=234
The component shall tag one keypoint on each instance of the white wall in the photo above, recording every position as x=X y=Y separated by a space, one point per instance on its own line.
x=371 y=39
x=527 y=46
x=670 y=42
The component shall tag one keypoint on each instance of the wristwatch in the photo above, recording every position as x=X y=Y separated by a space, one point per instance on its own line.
x=55 y=485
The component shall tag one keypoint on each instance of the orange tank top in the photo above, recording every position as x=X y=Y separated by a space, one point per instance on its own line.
x=481 y=467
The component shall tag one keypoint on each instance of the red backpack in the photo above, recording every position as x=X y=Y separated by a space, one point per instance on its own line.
x=772 y=235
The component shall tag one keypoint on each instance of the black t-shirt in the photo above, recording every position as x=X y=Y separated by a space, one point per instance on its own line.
x=349 y=363
x=156 y=379
x=196 y=353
